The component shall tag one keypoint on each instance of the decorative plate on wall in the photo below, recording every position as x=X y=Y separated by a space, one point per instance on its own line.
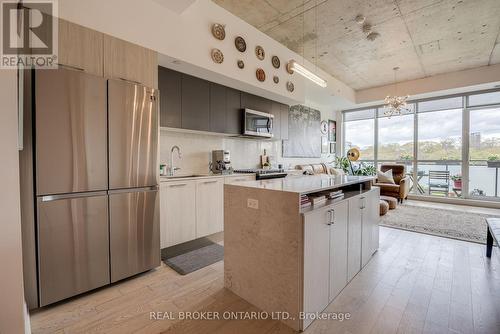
x=240 y=44
x=259 y=52
x=276 y=61
x=241 y=64
x=260 y=74
x=217 y=56
x=324 y=127
x=218 y=31
x=289 y=86
x=276 y=79
x=289 y=68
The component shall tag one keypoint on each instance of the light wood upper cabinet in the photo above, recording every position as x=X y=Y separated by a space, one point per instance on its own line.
x=209 y=206
x=80 y=48
x=127 y=61
x=177 y=212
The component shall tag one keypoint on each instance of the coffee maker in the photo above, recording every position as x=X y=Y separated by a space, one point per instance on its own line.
x=221 y=162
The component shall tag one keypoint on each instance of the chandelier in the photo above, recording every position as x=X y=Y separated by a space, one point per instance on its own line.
x=395 y=105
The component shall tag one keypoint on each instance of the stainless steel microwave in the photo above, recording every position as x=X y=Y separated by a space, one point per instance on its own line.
x=257 y=124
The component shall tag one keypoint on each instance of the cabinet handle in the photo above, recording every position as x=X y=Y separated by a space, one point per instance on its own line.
x=331 y=217
x=213 y=181
x=177 y=185
x=131 y=81
x=71 y=67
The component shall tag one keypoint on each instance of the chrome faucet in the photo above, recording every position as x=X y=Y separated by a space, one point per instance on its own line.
x=179 y=155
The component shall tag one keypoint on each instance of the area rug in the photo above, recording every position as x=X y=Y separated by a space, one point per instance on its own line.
x=193 y=255
x=448 y=223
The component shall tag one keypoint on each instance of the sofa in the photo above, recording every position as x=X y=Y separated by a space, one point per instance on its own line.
x=401 y=188
x=320 y=168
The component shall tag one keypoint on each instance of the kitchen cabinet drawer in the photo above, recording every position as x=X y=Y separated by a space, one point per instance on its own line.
x=209 y=206
x=238 y=178
x=195 y=104
x=169 y=84
x=177 y=212
x=131 y=62
x=80 y=48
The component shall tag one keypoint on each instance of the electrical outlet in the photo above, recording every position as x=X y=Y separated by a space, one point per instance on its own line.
x=253 y=203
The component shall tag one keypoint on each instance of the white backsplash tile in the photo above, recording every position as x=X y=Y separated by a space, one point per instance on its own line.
x=245 y=153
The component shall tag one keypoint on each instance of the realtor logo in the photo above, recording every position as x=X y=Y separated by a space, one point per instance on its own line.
x=29 y=34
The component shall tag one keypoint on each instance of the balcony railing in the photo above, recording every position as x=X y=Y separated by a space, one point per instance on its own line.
x=484 y=180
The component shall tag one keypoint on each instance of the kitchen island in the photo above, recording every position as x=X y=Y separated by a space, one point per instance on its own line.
x=292 y=261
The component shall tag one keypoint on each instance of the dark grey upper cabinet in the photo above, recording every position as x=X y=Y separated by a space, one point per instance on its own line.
x=169 y=83
x=276 y=112
x=234 y=114
x=187 y=102
x=217 y=108
x=284 y=121
x=255 y=102
x=195 y=104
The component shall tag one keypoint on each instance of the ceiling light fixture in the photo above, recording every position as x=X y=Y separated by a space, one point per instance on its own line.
x=395 y=104
x=296 y=67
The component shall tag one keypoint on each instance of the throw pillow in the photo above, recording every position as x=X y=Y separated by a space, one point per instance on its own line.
x=385 y=177
x=336 y=171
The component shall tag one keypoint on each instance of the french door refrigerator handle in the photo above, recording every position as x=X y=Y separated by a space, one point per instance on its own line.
x=133 y=190
x=49 y=198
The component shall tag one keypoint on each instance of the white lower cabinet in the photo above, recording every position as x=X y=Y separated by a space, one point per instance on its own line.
x=193 y=208
x=354 y=237
x=209 y=206
x=316 y=261
x=334 y=239
x=369 y=221
x=177 y=212
x=338 y=249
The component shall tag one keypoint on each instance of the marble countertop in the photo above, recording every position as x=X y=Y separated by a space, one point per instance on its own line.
x=307 y=183
x=180 y=177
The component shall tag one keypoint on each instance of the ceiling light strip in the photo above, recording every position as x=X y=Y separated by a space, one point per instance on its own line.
x=296 y=67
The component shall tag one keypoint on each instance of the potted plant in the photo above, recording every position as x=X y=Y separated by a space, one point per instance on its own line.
x=365 y=170
x=457 y=181
x=343 y=163
x=494 y=161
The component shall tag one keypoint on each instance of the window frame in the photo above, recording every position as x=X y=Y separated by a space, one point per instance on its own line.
x=466 y=109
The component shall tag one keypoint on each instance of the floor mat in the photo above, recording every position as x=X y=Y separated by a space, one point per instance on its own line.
x=192 y=255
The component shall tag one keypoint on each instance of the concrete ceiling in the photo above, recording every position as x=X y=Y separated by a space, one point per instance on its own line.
x=422 y=37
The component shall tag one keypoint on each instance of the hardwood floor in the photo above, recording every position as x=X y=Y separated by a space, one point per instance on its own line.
x=415 y=283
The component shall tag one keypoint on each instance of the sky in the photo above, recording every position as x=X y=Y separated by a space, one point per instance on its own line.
x=432 y=126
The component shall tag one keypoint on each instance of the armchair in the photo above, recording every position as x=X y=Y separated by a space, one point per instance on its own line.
x=400 y=189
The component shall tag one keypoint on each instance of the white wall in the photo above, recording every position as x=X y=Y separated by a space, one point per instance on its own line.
x=11 y=278
x=187 y=37
x=484 y=77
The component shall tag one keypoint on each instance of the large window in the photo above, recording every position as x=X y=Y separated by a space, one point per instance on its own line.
x=484 y=152
x=427 y=138
x=360 y=133
x=395 y=136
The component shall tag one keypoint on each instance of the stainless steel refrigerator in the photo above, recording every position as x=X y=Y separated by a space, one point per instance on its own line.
x=94 y=145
